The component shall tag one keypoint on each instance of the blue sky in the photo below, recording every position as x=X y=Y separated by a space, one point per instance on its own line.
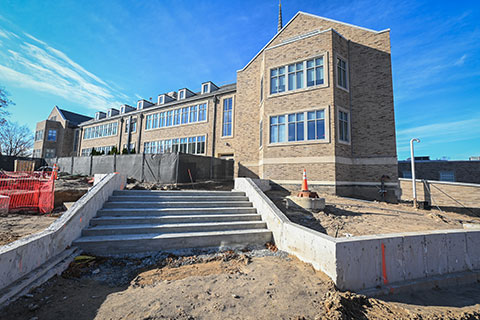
x=89 y=55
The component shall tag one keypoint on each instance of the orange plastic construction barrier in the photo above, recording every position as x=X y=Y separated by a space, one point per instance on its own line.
x=28 y=191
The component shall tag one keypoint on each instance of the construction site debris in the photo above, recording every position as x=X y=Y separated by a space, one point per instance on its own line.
x=347 y=217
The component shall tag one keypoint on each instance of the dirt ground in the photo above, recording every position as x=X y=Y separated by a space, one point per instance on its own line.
x=245 y=285
x=18 y=225
x=345 y=217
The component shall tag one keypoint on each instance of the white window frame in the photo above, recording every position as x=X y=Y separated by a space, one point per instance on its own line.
x=340 y=109
x=323 y=55
x=347 y=73
x=305 y=127
x=232 y=117
x=140 y=105
x=205 y=88
x=184 y=91
x=161 y=99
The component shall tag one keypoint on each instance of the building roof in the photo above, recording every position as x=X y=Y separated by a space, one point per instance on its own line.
x=73 y=118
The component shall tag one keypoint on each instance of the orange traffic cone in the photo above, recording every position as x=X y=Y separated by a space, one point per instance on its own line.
x=305 y=193
x=304 y=182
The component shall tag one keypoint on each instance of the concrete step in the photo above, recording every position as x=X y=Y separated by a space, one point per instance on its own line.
x=172 y=211
x=114 y=244
x=172 y=228
x=162 y=198
x=173 y=219
x=180 y=204
x=178 y=193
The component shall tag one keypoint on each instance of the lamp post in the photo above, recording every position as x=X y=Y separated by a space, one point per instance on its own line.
x=412 y=159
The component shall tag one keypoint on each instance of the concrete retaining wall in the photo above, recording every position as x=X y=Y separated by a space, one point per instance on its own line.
x=23 y=256
x=360 y=263
x=442 y=192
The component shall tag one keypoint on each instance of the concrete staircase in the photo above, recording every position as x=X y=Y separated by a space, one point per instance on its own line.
x=143 y=220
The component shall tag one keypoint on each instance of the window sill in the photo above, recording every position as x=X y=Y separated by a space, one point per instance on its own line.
x=342 y=88
x=347 y=143
x=298 y=143
x=281 y=94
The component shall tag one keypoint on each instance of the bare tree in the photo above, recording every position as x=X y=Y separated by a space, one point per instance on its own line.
x=4 y=103
x=15 y=140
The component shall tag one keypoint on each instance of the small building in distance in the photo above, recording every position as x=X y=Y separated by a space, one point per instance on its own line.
x=467 y=171
x=57 y=136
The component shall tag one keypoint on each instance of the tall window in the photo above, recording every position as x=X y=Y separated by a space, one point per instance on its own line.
x=301 y=126
x=201 y=145
x=39 y=135
x=227 y=117
x=185 y=115
x=261 y=133
x=261 y=89
x=277 y=80
x=315 y=72
x=342 y=74
x=295 y=76
x=161 y=121
x=343 y=124
x=169 y=118
x=191 y=144
x=316 y=125
x=296 y=127
x=193 y=113
x=183 y=145
x=52 y=135
x=202 y=112
x=176 y=117
x=277 y=129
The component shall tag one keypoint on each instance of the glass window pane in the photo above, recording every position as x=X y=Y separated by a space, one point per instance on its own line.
x=291 y=81
x=273 y=72
x=310 y=77
x=291 y=68
x=273 y=120
x=281 y=83
x=273 y=85
x=291 y=117
x=291 y=131
x=281 y=133
x=319 y=75
x=311 y=130
x=300 y=116
x=281 y=70
x=300 y=131
x=320 y=114
x=300 y=80
x=300 y=66
x=319 y=61
x=309 y=63
x=321 y=129
x=311 y=115
x=273 y=133
x=281 y=119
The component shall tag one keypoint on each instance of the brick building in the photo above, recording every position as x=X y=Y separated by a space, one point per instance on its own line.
x=318 y=96
x=58 y=136
x=442 y=170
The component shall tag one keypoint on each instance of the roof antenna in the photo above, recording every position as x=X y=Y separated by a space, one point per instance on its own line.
x=280 y=24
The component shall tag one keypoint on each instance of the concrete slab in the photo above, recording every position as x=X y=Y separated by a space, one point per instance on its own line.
x=436 y=254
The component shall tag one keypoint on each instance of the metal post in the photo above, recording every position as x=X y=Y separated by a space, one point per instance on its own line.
x=412 y=159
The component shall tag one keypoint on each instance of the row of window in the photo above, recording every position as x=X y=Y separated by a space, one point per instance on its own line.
x=88 y=151
x=299 y=75
x=177 y=117
x=104 y=130
x=193 y=145
x=51 y=135
x=305 y=126
x=300 y=126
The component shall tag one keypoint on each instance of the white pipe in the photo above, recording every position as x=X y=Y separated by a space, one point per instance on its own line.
x=412 y=159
